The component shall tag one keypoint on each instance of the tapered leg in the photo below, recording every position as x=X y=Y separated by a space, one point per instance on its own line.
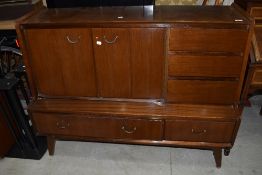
x=217 y=152
x=51 y=144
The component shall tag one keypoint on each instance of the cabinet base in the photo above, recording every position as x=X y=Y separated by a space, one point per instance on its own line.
x=217 y=151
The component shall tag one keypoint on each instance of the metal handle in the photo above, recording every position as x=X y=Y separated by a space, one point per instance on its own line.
x=62 y=124
x=128 y=131
x=73 y=41
x=110 y=42
x=199 y=131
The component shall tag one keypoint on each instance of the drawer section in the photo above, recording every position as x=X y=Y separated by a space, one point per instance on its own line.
x=209 y=66
x=256 y=12
x=205 y=39
x=199 y=131
x=202 y=91
x=98 y=126
x=257 y=77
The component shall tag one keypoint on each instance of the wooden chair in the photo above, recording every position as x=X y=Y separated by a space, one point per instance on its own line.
x=217 y=2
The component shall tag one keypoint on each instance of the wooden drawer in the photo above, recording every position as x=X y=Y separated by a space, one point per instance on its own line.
x=98 y=126
x=209 y=40
x=202 y=91
x=257 y=77
x=256 y=12
x=209 y=66
x=199 y=131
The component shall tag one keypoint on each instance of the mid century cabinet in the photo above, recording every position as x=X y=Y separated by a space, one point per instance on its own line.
x=253 y=82
x=162 y=75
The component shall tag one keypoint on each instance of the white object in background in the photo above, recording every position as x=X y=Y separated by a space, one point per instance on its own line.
x=44 y=3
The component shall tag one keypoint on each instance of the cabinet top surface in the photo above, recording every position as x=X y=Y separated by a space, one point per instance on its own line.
x=133 y=108
x=138 y=14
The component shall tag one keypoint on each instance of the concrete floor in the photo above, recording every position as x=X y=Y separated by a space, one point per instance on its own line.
x=83 y=158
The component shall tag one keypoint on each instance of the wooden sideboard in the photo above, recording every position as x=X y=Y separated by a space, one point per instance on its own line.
x=153 y=75
x=253 y=82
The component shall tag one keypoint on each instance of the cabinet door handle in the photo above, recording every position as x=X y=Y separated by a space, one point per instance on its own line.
x=198 y=131
x=112 y=41
x=128 y=131
x=62 y=124
x=73 y=41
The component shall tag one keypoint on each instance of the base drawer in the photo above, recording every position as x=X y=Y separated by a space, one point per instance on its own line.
x=98 y=126
x=199 y=131
x=202 y=91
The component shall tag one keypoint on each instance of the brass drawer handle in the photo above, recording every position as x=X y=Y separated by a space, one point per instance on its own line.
x=112 y=41
x=73 y=41
x=199 y=131
x=128 y=131
x=62 y=124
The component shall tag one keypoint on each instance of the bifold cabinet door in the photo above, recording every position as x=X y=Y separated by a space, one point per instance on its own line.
x=129 y=62
x=62 y=61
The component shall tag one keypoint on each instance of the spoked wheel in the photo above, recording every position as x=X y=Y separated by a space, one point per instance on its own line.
x=11 y=66
x=10 y=60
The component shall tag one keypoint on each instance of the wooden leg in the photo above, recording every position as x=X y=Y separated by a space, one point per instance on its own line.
x=218 y=156
x=51 y=144
x=226 y=151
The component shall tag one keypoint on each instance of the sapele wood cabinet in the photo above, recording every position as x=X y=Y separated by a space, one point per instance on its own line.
x=163 y=75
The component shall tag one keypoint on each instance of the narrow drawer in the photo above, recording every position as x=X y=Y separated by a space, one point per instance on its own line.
x=256 y=12
x=210 y=40
x=210 y=66
x=202 y=91
x=199 y=131
x=257 y=77
x=98 y=127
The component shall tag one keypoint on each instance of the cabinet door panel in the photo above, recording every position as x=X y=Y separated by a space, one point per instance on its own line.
x=147 y=63
x=62 y=61
x=129 y=62
x=112 y=59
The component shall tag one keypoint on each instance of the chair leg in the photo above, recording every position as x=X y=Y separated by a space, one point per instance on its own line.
x=204 y=2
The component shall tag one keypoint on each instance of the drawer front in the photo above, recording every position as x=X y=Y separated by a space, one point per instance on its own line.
x=257 y=77
x=202 y=91
x=210 y=40
x=199 y=131
x=98 y=127
x=209 y=66
x=256 y=12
